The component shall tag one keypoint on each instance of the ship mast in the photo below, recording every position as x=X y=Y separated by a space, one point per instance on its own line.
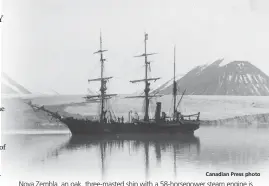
x=146 y=80
x=103 y=96
x=175 y=85
x=147 y=84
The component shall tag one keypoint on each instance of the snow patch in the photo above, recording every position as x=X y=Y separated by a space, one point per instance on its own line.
x=203 y=67
x=241 y=65
x=262 y=80
x=235 y=79
x=265 y=86
x=249 y=78
x=224 y=62
x=230 y=77
x=255 y=88
x=255 y=79
x=240 y=78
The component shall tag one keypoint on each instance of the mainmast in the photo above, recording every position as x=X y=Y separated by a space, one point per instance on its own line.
x=146 y=80
x=103 y=96
x=175 y=85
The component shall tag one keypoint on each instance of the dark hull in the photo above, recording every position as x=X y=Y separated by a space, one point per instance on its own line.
x=88 y=127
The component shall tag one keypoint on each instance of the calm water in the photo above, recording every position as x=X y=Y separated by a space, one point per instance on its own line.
x=59 y=156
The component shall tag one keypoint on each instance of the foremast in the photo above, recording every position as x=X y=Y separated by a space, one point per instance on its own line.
x=147 y=96
x=103 y=96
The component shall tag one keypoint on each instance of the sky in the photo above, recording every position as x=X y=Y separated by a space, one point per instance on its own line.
x=48 y=45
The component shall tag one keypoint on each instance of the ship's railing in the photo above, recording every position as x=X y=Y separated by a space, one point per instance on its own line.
x=191 y=116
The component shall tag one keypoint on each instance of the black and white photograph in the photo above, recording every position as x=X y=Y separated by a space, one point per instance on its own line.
x=134 y=93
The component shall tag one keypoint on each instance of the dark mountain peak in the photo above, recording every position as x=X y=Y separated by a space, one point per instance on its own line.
x=223 y=77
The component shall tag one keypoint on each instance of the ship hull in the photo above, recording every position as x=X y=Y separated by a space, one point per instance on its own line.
x=88 y=127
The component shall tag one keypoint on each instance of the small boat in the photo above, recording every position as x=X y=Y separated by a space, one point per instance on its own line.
x=108 y=123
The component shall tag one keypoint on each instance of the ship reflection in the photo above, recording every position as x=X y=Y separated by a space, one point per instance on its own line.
x=179 y=146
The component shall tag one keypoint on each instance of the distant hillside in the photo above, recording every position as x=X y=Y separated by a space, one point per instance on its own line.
x=9 y=86
x=239 y=78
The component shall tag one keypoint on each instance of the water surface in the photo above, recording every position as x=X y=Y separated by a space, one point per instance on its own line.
x=61 y=156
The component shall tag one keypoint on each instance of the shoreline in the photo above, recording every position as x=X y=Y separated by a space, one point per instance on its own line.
x=254 y=120
x=260 y=120
x=241 y=112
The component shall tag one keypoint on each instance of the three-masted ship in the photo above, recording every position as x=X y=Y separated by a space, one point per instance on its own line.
x=107 y=124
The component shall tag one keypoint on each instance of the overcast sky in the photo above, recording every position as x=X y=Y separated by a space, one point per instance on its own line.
x=49 y=44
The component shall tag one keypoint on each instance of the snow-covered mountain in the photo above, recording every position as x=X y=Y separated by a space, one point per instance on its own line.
x=222 y=78
x=11 y=87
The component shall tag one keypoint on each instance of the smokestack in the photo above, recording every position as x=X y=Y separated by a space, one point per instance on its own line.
x=158 y=111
